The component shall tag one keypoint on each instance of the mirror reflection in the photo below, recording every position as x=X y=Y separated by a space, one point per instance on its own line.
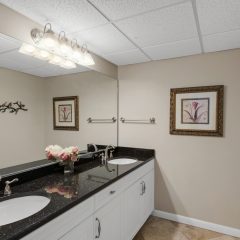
x=43 y=104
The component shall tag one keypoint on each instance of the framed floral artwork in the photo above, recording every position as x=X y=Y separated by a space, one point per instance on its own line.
x=197 y=111
x=65 y=113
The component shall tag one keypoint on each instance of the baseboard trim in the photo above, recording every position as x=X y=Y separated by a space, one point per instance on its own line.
x=198 y=223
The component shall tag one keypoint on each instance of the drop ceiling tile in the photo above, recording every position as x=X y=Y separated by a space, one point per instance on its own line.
x=70 y=16
x=116 y=9
x=175 y=49
x=165 y=25
x=104 y=40
x=221 y=41
x=218 y=15
x=8 y=43
x=129 y=57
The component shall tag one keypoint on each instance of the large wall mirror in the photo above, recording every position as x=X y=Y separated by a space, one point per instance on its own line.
x=34 y=83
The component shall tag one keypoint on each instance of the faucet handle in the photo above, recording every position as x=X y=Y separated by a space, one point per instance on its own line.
x=111 y=153
x=102 y=155
x=7 y=190
x=14 y=180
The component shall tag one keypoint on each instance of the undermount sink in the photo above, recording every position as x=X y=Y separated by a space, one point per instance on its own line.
x=15 y=209
x=122 y=161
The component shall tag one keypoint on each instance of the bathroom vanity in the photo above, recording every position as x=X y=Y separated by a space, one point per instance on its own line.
x=97 y=202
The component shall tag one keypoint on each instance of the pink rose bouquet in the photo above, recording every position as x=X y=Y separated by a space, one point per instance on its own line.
x=69 y=154
x=54 y=152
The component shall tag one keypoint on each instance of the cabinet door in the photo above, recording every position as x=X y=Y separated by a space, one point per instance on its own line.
x=84 y=231
x=147 y=200
x=107 y=220
x=132 y=211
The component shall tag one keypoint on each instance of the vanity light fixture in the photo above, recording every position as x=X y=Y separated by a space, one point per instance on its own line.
x=57 y=50
x=65 y=48
x=48 y=39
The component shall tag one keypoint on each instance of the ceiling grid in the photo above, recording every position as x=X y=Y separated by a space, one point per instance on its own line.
x=135 y=31
x=194 y=5
x=113 y=24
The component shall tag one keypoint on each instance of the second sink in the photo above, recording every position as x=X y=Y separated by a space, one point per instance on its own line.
x=122 y=161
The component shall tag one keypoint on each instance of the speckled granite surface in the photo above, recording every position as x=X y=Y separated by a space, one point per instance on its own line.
x=68 y=191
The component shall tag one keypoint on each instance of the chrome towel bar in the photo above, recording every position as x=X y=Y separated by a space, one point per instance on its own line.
x=139 y=121
x=92 y=120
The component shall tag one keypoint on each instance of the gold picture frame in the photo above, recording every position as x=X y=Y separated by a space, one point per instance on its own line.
x=197 y=111
x=66 y=113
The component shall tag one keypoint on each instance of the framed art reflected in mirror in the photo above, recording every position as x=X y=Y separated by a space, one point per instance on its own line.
x=66 y=113
x=197 y=111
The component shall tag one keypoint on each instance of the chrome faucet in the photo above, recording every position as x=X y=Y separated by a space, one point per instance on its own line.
x=7 y=190
x=106 y=157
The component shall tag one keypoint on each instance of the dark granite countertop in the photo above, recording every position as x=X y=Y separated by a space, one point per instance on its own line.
x=68 y=191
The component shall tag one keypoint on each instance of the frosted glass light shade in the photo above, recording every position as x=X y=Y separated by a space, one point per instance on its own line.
x=56 y=60
x=42 y=54
x=88 y=59
x=49 y=41
x=27 y=49
x=68 y=64
x=65 y=48
x=77 y=56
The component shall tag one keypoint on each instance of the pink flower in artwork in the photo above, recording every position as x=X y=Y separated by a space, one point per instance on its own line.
x=195 y=111
x=195 y=105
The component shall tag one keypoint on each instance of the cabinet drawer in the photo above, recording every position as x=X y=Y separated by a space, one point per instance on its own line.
x=108 y=193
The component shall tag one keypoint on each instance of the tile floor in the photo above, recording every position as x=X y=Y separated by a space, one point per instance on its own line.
x=160 y=229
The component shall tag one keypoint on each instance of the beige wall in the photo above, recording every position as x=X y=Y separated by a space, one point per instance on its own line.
x=97 y=99
x=195 y=176
x=22 y=136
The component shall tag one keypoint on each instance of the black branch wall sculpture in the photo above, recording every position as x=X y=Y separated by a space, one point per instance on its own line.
x=12 y=107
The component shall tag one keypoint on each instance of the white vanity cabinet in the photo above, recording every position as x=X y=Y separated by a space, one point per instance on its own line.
x=115 y=213
x=138 y=203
